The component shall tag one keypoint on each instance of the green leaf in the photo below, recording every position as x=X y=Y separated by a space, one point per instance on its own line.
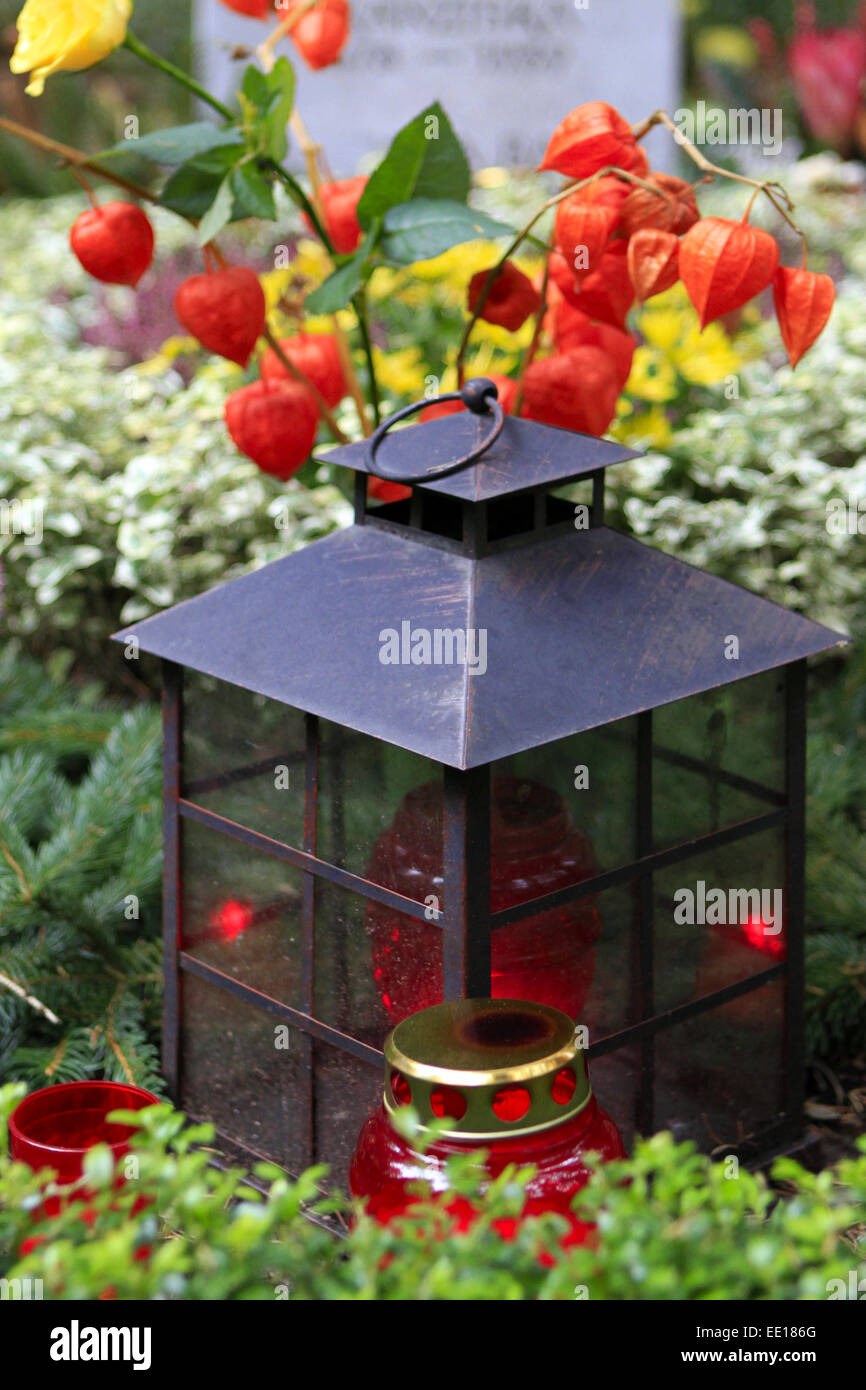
x=271 y=96
x=177 y=144
x=193 y=188
x=425 y=160
x=425 y=227
x=190 y=191
x=253 y=193
x=255 y=87
x=98 y=1165
x=219 y=160
x=218 y=214
x=281 y=80
x=337 y=291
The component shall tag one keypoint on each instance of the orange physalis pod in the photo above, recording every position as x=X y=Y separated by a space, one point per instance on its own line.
x=653 y=261
x=804 y=301
x=591 y=136
x=723 y=264
x=581 y=232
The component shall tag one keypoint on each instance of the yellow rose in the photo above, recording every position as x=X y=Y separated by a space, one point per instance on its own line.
x=66 y=35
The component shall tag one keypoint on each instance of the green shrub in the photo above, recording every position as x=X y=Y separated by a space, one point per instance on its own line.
x=681 y=1227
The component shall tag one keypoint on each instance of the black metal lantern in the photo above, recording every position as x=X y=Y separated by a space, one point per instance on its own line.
x=480 y=744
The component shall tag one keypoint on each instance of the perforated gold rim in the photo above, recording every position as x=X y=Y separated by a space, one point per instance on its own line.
x=442 y=1031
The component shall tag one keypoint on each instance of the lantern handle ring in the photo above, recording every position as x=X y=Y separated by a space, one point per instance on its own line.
x=479 y=395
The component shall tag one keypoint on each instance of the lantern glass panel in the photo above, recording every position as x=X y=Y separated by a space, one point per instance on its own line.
x=736 y=732
x=719 y=1076
x=365 y=822
x=574 y=958
x=243 y=757
x=241 y=912
x=616 y=1079
x=694 y=959
x=613 y=1001
x=353 y=938
x=346 y=1090
x=235 y=1075
x=581 y=786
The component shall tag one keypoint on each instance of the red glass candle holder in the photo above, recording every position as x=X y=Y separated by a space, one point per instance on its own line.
x=54 y=1128
x=511 y=1081
x=534 y=850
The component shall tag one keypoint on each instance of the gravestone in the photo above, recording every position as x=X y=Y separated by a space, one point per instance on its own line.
x=506 y=71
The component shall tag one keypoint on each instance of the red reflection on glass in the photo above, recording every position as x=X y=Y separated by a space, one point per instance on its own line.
x=232 y=919
x=400 y=1089
x=763 y=938
x=534 y=850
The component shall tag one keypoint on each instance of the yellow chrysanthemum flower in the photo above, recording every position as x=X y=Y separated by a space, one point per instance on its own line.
x=275 y=284
x=66 y=36
x=172 y=348
x=653 y=376
x=401 y=371
x=312 y=261
x=708 y=357
x=649 y=430
x=670 y=325
x=324 y=323
x=457 y=266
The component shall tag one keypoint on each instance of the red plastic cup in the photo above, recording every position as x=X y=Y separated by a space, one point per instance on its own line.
x=54 y=1127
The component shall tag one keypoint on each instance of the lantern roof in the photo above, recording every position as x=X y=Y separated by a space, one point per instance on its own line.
x=525 y=456
x=560 y=634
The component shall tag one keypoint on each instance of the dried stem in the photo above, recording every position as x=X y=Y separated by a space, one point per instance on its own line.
x=265 y=50
x=529 y=357
x=74 y=158
x=311 y=152
x=771 y=188
x=85 y=184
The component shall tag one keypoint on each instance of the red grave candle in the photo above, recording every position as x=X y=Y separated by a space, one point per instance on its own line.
x=512 y=1082
x=534 y=850
x=54 y=1127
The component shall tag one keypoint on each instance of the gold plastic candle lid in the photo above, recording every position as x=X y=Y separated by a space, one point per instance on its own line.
x=492 y=1067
